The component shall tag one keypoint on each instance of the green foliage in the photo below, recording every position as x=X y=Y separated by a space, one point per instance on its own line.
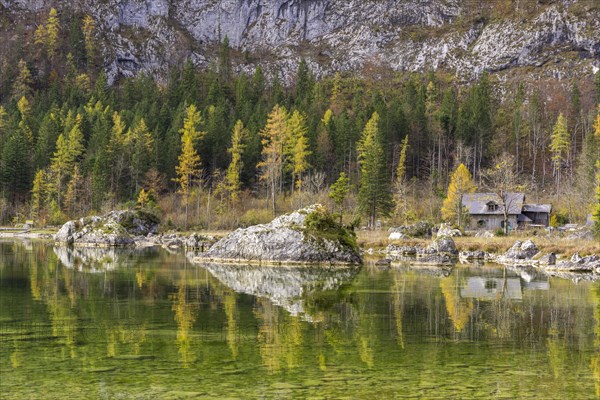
x=320 y=224
x=375 y=197
x=558 y=218
x=256 y=216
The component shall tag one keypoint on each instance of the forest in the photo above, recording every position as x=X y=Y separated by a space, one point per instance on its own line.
x=232 y=149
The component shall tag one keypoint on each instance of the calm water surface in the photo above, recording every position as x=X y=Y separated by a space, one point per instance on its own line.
x=148 y=324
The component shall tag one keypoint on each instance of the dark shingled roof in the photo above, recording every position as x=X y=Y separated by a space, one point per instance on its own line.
x=476 y=203
x=537 y=208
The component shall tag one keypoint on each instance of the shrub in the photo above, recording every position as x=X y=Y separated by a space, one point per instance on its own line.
x=256 y=216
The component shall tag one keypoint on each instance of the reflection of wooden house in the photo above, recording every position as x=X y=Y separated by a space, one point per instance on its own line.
x=486 y=211
x=489 y=288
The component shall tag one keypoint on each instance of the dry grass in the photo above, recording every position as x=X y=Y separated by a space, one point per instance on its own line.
x=379 y=239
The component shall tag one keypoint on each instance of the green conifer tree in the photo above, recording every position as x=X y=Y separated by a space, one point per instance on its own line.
x=374 y=196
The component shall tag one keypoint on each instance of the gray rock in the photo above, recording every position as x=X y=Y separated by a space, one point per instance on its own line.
x=473 y=255
x=548 y=259
x=446 y=230
x=286 y=239
x=396 y=236
x=444 y=244
x=394 y=250
x=521 y=251
x=484 y=234
x=117 y=228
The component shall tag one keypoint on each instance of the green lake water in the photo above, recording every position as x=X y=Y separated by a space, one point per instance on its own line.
x=147 y=324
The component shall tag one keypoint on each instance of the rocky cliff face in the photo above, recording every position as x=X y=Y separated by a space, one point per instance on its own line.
x=338 y=35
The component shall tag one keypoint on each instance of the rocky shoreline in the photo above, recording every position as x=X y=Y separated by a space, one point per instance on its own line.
x=304 y=237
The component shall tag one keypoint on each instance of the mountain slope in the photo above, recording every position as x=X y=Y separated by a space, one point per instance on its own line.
x=463 y=37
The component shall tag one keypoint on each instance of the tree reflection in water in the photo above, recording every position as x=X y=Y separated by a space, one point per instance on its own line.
x=146 y=314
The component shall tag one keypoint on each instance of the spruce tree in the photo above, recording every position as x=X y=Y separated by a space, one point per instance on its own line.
x=338 y=192
x=374 y=196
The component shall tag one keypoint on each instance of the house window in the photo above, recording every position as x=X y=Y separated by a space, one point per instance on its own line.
x=492 y=206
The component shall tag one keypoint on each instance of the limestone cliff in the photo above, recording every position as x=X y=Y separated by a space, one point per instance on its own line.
x=559 y=37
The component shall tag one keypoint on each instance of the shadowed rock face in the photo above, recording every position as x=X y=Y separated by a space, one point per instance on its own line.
x=283 y=240
x=290 y=287
x=338 y=35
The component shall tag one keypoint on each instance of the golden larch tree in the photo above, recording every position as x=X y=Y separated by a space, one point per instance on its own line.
x=461 y=183
x=189 y=161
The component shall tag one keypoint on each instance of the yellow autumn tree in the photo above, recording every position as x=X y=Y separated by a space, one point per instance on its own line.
x=47 y=35
x=189 y=161
x=461 y=183
x=560 y=145
x=88 y=29
x=273 y=140
x=297 y=148
x=23 y=82
x=233 y=175
x=38 y=194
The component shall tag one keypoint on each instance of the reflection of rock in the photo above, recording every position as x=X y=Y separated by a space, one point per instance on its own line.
x=95 y=259
x=290 y=287
x=304 y=236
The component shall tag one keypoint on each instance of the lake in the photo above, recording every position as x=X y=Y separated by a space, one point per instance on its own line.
x=146 y=324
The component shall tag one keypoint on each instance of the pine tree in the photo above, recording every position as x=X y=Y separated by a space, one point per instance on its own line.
x=15 y=173
x=559 y=147
x=273 y=140
x=189 y=161
x=460 y=184
x=374 y=196
x=141 y=151
x=338 y=192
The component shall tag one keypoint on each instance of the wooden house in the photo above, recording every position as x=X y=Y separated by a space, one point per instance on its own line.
x=486 y=211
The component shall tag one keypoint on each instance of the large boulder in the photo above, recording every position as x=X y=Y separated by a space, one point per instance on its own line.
x=520 y=253
x=522 y=250
x=308 y=235
x=447 y=230
x=117 y=228
x=443 y=244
